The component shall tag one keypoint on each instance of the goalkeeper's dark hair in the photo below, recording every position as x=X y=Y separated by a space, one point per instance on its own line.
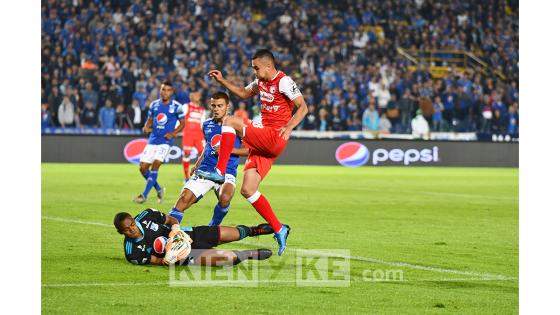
x=265 y=53
x=119 y=217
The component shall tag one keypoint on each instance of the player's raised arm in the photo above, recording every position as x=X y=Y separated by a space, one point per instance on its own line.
x=239 y=91
x=298 y=116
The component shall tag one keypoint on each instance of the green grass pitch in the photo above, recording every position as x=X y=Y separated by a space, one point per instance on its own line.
x=420 y=240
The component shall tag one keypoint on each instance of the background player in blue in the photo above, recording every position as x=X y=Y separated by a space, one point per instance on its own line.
x=141 y=231
x=163 y=115
x=196 y=187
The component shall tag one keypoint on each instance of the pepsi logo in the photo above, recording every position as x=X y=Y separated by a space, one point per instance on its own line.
x=352 y=154
x=161 y=119
x=215 y=141
x=133 y=150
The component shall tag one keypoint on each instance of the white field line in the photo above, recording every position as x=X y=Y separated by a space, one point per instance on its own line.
x=258 y=282
x=357 y=258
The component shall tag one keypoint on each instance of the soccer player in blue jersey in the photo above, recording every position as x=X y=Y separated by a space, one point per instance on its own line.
x=195 y=188
x=163 y=115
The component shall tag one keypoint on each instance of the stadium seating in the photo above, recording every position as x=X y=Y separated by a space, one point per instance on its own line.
x=342 y=55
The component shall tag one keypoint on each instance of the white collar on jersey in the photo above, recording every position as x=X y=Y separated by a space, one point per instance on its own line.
x=277 y=73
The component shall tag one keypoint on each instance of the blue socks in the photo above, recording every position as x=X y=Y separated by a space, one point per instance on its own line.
x=147 y=176
x=176 y=214
x=219 y=214
x=150 y=182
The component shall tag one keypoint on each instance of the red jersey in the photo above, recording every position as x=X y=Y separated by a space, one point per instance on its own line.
x=194 y=116
x=277 y=97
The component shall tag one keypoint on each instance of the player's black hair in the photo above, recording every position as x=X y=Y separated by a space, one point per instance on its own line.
x=168 y=83
x=119 y=217
x=218 y=95
x=264 y=53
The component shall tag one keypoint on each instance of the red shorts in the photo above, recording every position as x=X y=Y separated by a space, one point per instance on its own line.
x=265 y=145
x=195 y=140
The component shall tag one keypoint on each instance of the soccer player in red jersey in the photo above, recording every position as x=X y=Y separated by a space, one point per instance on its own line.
x=192 y=133
x=266 y=140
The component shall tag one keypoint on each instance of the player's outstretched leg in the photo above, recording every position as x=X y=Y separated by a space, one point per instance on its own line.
x=219 y=214
x=184 y=202
x=215 y=257
x=258 y=254
x=232 y=234
x=251 y=181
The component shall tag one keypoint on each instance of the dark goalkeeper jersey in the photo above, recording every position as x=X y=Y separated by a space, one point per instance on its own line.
x=151 y=224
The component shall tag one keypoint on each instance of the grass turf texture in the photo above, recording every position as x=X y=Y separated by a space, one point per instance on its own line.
x=451 y=234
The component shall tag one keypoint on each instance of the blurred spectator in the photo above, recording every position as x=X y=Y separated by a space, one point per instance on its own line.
x=420 y=127
x=324 y=123
x=55 y=98
x=370 y=118
x=135 y=114
x=383 y=96
x=486 y=115
x=437 y=117
x=393 y=113
x=107 y=115
x=122 y=119
x=384 y=124
x=241 y=111
x=66 y=113
x=256 y=113
x=512 y=118
x=337 y=123
x=406 y=106
x=46 y=118
x=90 y=95
x=89 y=116
x=141 y=96
x=310 y=120
x=355 y=122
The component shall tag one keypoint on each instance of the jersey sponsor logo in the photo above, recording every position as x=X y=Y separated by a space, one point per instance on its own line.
x=266 y=97
x=215 y=141
x=257 y=124
x=133 y=150
x=161 y=119
x=352 y=154
x=270 y=108
x=154 y=226
x=195 y=115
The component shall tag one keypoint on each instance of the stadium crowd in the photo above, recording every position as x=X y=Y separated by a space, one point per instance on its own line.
x=102 y=61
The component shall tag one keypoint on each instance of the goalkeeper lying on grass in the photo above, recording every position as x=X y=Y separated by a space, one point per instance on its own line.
x=145 y=241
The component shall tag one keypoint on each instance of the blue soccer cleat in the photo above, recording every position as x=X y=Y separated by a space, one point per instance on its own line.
x=213 y=176
x=281 y=237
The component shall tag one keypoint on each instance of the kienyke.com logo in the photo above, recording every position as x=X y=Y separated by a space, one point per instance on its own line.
x=354 y=154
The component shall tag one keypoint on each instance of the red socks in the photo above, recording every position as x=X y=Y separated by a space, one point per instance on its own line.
x=226 y=146
x=262 y=206
x=186 y=166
